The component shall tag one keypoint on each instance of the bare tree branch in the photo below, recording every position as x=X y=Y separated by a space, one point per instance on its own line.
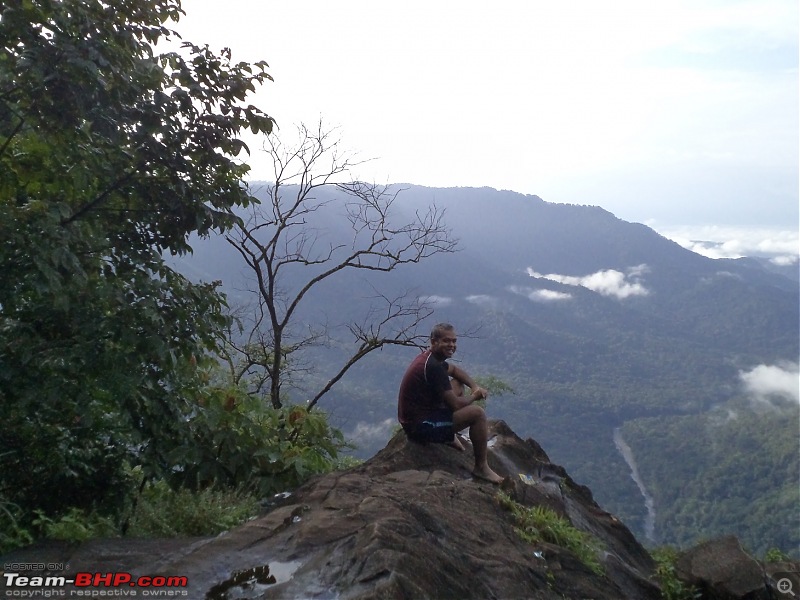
x=288 y=235
x=402 y=320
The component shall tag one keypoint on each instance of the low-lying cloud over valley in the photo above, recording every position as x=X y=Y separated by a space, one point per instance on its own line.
x=767 y=382
x=608 y=282
x=541 y=295
x=781 y=247
x=436 y=301
x=366 y=433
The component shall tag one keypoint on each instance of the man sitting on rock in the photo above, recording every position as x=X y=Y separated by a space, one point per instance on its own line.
x=432 y=408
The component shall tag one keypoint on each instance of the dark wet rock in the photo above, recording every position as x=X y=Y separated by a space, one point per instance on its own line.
x=721 y=570
x=783 y=578
x=413 y=523
x=409 y=523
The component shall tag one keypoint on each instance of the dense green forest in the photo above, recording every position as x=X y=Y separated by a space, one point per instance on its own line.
x=735 y=466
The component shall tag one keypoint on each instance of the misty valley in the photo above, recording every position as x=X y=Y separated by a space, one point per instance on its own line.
x=606 y=332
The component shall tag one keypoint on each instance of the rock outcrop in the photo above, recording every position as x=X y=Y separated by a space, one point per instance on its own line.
x=720 y=569
x=409 y=523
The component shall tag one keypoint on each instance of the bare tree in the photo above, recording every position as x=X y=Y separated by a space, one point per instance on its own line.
x=283 y=235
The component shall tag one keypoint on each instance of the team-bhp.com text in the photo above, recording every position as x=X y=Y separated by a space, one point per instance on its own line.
x=94 y=585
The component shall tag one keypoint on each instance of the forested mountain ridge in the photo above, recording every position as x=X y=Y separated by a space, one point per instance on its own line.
x=597 y=324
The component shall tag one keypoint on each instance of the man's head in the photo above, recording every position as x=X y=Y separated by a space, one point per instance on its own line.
x=443 y=340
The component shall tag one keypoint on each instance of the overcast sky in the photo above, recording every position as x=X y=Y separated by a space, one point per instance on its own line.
x=676 y=114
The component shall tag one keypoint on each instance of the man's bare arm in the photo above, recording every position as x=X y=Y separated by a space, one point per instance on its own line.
x=455 y=402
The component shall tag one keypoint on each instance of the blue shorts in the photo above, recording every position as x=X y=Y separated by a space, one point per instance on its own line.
x=437 y=428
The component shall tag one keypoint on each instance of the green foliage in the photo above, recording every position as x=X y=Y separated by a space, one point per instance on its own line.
x=110 y=156
x=74 y=526
x=13 y=533
x=160 y=511
x=164 y=512
x=495 y=385
x=775 y=555
x=672 y=588
x=541 y=524
x=238 y=441
x=231 y=450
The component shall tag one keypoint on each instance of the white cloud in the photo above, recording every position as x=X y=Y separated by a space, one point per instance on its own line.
x=784 y=261
x=540 y=295
x=720 y=275
x=782 y=247
x=482 y=300
x=721 y=414
x=609 y=282
x=436 y=300
x=368 y=432
x=549 y=296
x=767 y=381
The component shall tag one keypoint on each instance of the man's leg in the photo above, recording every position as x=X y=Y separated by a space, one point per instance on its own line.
x=458 y=390
x=474 y=417
x=456 y=443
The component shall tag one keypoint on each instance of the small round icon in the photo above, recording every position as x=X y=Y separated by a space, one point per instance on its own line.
x=785 y=586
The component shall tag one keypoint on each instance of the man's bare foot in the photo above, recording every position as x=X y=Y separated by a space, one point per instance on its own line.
x=487 y=474
x=456 y=443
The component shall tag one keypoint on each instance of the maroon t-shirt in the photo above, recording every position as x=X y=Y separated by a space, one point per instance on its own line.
x=422 y=389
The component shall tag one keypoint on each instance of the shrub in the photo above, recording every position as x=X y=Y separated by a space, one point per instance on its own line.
x=239 y=441
x=75 y=526
x=159 y=512
x=164 y=512
x=672 y=588
x=12 y=533
x=541 y=524
x=774 y=555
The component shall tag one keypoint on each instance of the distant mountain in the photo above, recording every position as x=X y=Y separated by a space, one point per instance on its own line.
x=598 y=324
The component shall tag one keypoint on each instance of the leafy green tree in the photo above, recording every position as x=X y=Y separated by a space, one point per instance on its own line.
x=110 y=156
